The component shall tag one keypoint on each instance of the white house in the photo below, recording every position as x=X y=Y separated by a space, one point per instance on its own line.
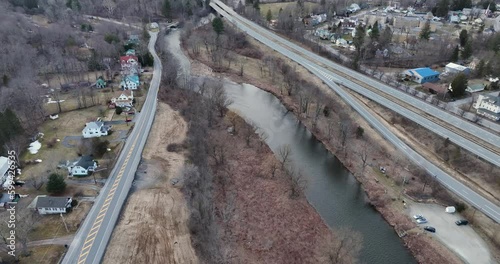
x=4 y=168
x=82 y=167
x=130 y=82
x=488 y=106
x=95 y=129
x=52 y=205
x=454 y=68
x=125 y=99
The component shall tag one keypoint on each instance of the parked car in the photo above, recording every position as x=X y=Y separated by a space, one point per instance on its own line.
x=462 y=222
x=417 y=216
x=421 y=220
x=430 y=229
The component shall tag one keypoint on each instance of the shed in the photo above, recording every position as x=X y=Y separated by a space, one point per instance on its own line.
x=474 y=88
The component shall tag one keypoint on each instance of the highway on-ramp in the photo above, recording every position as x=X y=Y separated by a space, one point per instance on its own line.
x=93 y=236
x=478 y=201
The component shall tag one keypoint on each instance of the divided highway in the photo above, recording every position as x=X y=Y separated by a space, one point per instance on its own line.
x=93 y=236
x=479 y=202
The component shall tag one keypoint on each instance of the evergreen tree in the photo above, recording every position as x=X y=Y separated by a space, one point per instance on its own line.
x=218 y=25
x=256 y=4
x=359 y=38
x=166 y=9
x=454 y=55
x=375 y=33
x=425 y=33
x=480 y=68
x=467 y=52
x=458 y=85
x=442 y=8
x=269 y=15
x=463 y=37
x=56 y=184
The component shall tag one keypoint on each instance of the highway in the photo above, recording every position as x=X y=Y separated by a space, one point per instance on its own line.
x=93 y=236
x=469 y=136
x=479 y=202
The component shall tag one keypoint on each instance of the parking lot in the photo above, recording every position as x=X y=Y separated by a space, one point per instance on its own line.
x=461 y=239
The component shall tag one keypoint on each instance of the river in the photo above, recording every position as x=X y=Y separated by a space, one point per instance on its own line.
x=331 y=189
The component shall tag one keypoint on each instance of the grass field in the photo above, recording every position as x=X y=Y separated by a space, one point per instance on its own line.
x=275 y=7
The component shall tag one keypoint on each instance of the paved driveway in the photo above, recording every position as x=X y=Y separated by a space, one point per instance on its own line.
x=463 y=240
x=71 y=141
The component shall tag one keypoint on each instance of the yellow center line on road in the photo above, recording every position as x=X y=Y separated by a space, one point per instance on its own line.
x=89 y=241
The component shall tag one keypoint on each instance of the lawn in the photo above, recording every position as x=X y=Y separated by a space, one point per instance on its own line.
x=275 y=7
x=43 y=254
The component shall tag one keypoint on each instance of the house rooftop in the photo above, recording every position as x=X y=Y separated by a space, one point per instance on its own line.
x=475 y=87
x=4 y=165
x=85 y=162
x=438 y=88
x=456 y=66
x=493 y=99
x=424 y=72
x=51 y=202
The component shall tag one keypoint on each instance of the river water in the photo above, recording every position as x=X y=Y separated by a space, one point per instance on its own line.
x=331 y=189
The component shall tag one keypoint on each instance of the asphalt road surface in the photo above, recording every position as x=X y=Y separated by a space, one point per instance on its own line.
x=479 y=202
x=93 y=236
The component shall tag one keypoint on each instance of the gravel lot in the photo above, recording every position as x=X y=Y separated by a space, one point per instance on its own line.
x=463 y=240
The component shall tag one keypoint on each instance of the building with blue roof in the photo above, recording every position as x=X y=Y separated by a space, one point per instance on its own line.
x=422 y=75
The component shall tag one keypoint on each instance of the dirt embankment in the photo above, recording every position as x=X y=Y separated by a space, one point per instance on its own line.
x=385 y=192
x=153 y=225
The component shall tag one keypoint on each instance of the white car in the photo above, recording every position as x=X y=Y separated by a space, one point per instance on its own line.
x=418 y=216
x=421 y=221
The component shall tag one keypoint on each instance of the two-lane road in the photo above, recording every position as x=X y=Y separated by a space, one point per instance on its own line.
x=478 y=201
x=93 y=236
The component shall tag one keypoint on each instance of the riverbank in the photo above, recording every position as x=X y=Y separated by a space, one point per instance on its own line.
x=384 y=191
x=257 y=219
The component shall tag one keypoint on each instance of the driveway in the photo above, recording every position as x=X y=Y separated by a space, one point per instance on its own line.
x=67 y=141
x=463 y=240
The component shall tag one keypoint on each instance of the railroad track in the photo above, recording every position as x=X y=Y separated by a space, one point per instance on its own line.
x=452 y=128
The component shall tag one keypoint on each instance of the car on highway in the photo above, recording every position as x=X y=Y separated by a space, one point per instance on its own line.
x=430 y=229
x=462 y=222
x=421 y=220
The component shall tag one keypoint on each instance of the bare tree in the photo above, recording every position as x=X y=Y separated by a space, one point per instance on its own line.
x=344 y=248
x=284 y=153
x=37 y=182
x=363 y=155
x=297 y=182
x=217 y=97
x=248 y=131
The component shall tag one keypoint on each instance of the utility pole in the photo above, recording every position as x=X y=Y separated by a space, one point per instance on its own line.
x=66 y=226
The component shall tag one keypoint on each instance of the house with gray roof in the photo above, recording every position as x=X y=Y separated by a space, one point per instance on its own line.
x=95 y=129
x=52 y=205
x=488 y=106
x=83 y=166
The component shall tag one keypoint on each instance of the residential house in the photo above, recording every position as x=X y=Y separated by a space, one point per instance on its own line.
x=474 y=88
x=454 y=68
x=488 y=106
x=130 y=52
x=128 y=61
x=95 y=129
x=82 y=167
x=4 y=169
x=434 y=88
x=133 y=39
x=421 y=75
x=100 y=83
x=125 y=99
x=130 y=82
x=52 y=205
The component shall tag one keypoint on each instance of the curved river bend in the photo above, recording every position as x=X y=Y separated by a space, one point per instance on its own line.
x=331 y=189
